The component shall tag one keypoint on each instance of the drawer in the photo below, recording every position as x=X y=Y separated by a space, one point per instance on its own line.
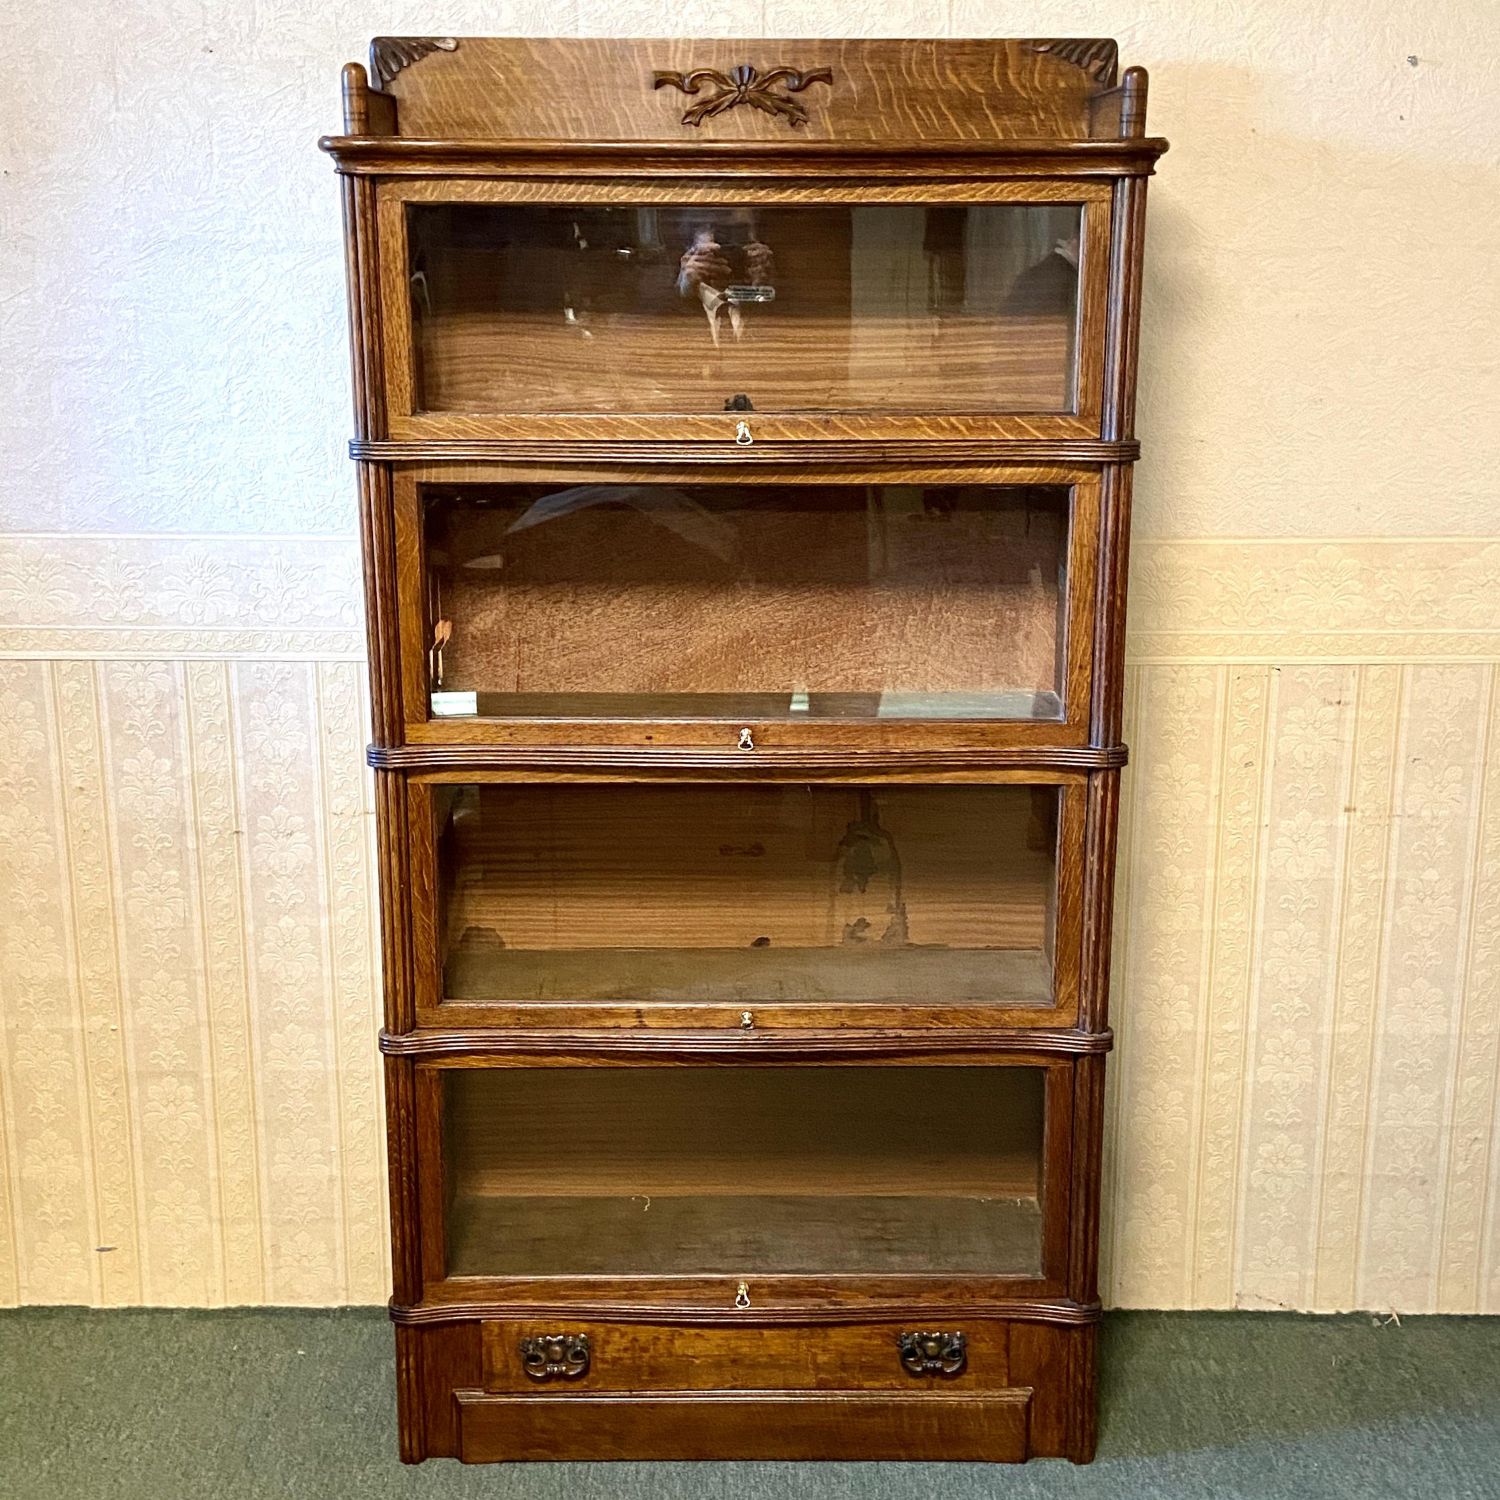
x=568 y=1357
x=744 y=1425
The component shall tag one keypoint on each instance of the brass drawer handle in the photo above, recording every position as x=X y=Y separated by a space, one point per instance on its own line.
x=933 y=1353
x=552 y=1356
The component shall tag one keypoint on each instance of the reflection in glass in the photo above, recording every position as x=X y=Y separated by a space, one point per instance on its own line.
x=616 y=1171
x=743 y=895
x=748 y=601
x=904 y=307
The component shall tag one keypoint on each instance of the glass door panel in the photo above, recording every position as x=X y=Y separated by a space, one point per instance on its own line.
x=614 y=1171
x=538 y=308
x=748 y=894
x=748 y=602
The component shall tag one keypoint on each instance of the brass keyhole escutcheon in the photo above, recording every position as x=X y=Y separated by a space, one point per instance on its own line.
x=747 y=1020
x=742 y=1294
x=747 y=740
x=742 y=434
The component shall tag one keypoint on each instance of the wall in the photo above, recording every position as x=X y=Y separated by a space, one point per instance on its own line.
x=1304 y=1099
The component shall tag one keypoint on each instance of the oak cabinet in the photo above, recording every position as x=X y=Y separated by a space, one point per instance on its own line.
x=744 y=434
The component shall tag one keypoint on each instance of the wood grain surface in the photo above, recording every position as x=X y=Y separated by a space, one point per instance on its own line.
x=748 y=868
x=730 y=1425
x=667 y=1356
x=897 y=593
x=770 y=1233
x=922 y=307
x=882 y=92
x=914 y=1131
x=851 y=976
x=970 y=265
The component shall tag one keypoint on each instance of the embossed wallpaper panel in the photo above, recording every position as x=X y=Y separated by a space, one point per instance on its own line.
x=191 y=1106
x=1304 y=1098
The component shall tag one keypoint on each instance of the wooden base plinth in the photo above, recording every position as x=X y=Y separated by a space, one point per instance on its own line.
x=654 y=1390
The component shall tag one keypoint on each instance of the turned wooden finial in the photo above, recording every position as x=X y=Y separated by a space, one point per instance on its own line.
x=1133 y=103
x=356 y=99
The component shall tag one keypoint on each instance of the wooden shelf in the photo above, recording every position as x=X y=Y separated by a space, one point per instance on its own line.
x=849 y=976
x=647 y=1235
x=739 y=708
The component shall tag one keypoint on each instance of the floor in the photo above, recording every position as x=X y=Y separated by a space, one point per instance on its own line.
x=163 y=1405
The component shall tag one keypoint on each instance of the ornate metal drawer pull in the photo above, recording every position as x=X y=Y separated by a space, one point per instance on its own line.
x=933 y=1353
x=744 y=85
x=552 y=1356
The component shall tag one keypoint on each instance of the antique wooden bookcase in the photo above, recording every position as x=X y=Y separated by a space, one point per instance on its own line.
x=744 y=436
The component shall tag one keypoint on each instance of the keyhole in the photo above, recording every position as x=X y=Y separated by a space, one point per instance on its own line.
x=742 y=434
x=747 y=740
x=747 y=1020
x=742 y=1295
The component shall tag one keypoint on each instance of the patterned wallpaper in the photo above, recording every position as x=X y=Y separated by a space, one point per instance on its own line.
x=1307 y=965
x=188 y=973
x=1303 y=1103
x=1304 y=1098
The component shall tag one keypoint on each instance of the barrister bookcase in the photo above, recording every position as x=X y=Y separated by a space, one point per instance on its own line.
x=744 y=433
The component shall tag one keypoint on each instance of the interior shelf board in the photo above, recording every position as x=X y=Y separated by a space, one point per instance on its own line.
x=720 y=1234
x=1009 y=704
x=845 y=975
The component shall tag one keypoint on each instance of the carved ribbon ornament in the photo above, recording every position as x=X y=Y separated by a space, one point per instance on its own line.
x=744 y=85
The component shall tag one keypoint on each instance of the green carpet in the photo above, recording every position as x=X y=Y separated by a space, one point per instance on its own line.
x=158 y=1405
